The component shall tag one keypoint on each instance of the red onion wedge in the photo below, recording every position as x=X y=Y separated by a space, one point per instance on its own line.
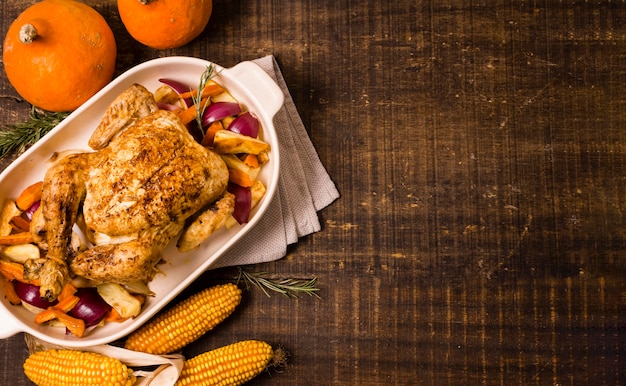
x=245 y=124
x=219 y=110
x=243 y=202
x=179 y=88
x=91 y=307
x=29 y=293
x=29 y=212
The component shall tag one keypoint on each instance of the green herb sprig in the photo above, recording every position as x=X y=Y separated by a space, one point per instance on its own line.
x=206 y=76
x=288 y=287
x=17 y=137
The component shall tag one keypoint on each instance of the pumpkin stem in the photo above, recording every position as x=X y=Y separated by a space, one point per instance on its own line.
x=146 y=2
x=28 y=33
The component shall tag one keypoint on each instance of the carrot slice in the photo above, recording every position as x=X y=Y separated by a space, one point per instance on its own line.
x=11 y=270
x=14 y=271
x=210 y=133
x=74 y=325
x=251 y=160
x=29 y=196
x=114 y=316
x=211 y=89
x=67 y=291
x=64 y=306
x=20 y=224
x=9 y=292
x=190 y=113
x=187 y=115
x=16 y=238
x=240 y=178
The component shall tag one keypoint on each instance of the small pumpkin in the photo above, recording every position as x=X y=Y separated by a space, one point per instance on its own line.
x=164 y=24
x=59 y=53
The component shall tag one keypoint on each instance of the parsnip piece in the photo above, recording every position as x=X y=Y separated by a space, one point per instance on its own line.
x=19 y=253
x=166 y=94
x=117 y=297
x=223 y=97
x=228 y=142
x=9 y=210
x=233 y=162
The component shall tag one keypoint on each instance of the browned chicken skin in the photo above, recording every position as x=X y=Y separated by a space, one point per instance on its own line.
x=135 y=193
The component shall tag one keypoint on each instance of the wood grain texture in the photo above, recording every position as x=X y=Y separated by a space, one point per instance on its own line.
x=479 y=148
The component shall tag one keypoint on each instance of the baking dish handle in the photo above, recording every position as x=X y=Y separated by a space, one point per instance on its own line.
x=260 y=85
x=8 y=324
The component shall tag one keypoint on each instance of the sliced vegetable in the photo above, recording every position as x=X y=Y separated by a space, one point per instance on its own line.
x=17 y=238
x=246 y=124
x=29 y=293
x=9 y=210
x=91 y=308
x=236 y=176
x=32 y=209
x=243 y=202
x=257 y=192
x=19 y=253
x=168 y=96
x=187 y=115
x=20 y=224
x=29 y=196
x=64 y=305
x=179 y=88
x=251 y=160
x=209 y=133
x=9 y=292
x=117 y=297
x=14 y=271
x=235 y=163
x=229 y=142
x=74 y=325
x=219 y=110
x=67 y=291
x=211 y=89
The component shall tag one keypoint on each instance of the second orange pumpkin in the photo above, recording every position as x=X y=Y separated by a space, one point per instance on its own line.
x=165 y=24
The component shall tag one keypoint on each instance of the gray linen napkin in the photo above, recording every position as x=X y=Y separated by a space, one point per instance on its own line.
x=304 y=187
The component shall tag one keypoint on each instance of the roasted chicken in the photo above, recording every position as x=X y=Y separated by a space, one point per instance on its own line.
x=146 y=179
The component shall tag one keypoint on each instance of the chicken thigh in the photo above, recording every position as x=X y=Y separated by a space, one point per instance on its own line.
x=135 y=192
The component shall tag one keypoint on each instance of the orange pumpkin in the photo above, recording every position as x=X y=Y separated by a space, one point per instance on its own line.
x=59 y=53
x=164 y=24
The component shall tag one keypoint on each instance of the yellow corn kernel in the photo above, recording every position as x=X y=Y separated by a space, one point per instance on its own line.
x=76 y=368
x=188 y=320
x=234 y=364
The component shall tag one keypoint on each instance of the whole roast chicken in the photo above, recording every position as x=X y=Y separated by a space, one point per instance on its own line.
x=146 y=178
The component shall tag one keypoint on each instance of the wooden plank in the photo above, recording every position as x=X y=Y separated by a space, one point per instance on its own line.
x=479 y=150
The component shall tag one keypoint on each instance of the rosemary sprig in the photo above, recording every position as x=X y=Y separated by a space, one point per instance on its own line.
x=206 y=76
x=287 y=287
x=17 y=137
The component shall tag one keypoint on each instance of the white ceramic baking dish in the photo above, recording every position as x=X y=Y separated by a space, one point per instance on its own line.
x=248 y=83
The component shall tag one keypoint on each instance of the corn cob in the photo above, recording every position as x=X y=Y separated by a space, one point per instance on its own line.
x=73 y=367
x=234 y=364
x=186 y=321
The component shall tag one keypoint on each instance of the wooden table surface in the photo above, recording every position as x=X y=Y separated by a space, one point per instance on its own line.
x=479 y=149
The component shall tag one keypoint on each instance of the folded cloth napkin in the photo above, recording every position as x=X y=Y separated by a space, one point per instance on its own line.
x=304 y=187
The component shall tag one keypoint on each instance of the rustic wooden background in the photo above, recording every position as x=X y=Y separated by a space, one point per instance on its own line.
x=479 y=148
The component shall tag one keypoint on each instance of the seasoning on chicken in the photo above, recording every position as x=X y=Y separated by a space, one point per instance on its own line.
x=146 y=178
